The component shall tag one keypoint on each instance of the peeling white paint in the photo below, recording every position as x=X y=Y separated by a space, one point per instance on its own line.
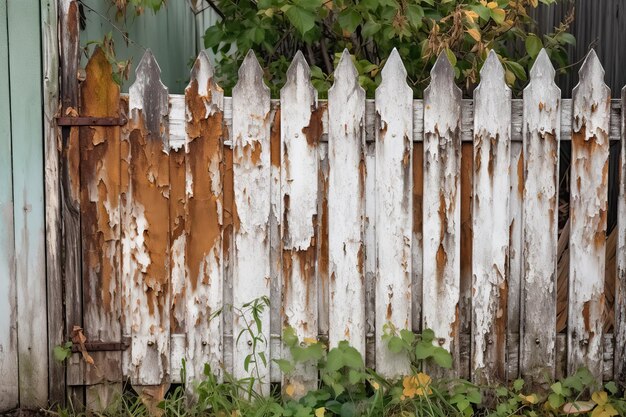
x=541 y=133
x=346 y=207
x=588 y=206
x=492 y=136
x=442 y=206
x=394 y=210
x=252 y=183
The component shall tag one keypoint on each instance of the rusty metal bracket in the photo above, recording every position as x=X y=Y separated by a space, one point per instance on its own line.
x=91 y=121
x=102 y=346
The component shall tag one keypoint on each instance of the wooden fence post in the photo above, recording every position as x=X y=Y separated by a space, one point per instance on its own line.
x=301 y=128
x=541 y=136
x=346 y=206
x=252 y=193
x=100 y=229
x=147 y=228
x=619 y=353
x=492 y=137
x=394 y=210
x=588 y=210
x=442 y=207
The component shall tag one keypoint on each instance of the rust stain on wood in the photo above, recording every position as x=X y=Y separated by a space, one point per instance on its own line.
x=206 y=170
x=275 y=140
x=313 y=131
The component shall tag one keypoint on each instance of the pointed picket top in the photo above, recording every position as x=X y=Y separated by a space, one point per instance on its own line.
x=492 y=74
x=542 y=69
x=204 y=75
x=394 y=71
x=148 y=93
x=345 y=73
x=590 y=93
x=251 y=74
x=299 y=73
x=443 y=97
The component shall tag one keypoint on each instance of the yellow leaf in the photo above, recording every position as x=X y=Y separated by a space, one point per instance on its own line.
x=483 y=2
x=534 y=3
x=492 y=4
x=290 y=390
x=374 y=384
x=600 y=397
x=310 y=340
x=532 y=398
x=319 y=412
x=498 y=15
x=474 y=33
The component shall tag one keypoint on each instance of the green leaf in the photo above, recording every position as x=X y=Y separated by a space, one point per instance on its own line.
x=415 y=14
x=61 y=353
x=428 y=335
x=533 y=45
x=518 y=384
x=611 y=387
x=557 y=388
x=424 y=350
x=451 y=56
x=555 y=400
x=213 y=36
x=482 y=11
x=370 y=28
x=348 y=410
x=334 y=360
x=303 y=20
x=349 y=19
x=442 y=358
x=354 y=376
x=566 y=38
x=517 y=69
x=284 y=365
x=395 y=344
x=406 y=335
x=289 y=337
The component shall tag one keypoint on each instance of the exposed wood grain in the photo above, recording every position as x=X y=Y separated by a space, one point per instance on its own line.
x=178 y=216
x=9 y=393
x=541 y=131
x=147 y=226
x=516 y=186
x=70 y=186
x=465 y=287
x=252 y=193
x=492 y=136
x=394 y=210
x=442 y=208
x=301 y=127
x=588 y=210
x=54 y=277
x=346 y=206
x=28 y=200
x=276 y=286
x=619 y=359
x=204 y=227
x=323 y=269
x=370 y=254
x=100 y=227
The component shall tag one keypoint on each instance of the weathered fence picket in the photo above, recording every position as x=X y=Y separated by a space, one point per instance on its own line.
x=100 y=228
x=147 y=224
x=541 y=134
x=442 y=207
x=252 y=192
x=492 y=137
x=301 y=128
x=588 y=213
x=204 y=287
x=394 y=213
x=346 y=206
x=354 y=217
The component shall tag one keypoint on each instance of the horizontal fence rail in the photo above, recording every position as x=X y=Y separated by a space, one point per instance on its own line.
x=347 y=214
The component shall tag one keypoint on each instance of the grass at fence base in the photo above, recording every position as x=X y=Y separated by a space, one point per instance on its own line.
x=348 y=389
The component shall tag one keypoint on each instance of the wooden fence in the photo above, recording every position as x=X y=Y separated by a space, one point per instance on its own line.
x=347 y=214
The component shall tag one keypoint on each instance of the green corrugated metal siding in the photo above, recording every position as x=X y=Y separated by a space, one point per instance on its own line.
x=170 y=33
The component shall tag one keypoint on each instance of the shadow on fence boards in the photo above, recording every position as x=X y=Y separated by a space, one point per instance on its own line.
x=348 y=214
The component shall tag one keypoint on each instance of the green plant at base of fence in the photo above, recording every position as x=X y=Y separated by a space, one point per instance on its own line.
x=348 y=388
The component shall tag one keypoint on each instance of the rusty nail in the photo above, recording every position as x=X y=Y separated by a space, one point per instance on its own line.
x=441 y=341
x=249 y=342
x=537 y=341
x=584 y=342
x=150 y=343
x=490 y=341
x=204 y=343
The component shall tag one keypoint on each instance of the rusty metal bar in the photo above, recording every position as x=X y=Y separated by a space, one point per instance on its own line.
x=91 y=121
x=102 y=346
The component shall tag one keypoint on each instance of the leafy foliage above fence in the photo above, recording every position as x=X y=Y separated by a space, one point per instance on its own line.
x=370 y=29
